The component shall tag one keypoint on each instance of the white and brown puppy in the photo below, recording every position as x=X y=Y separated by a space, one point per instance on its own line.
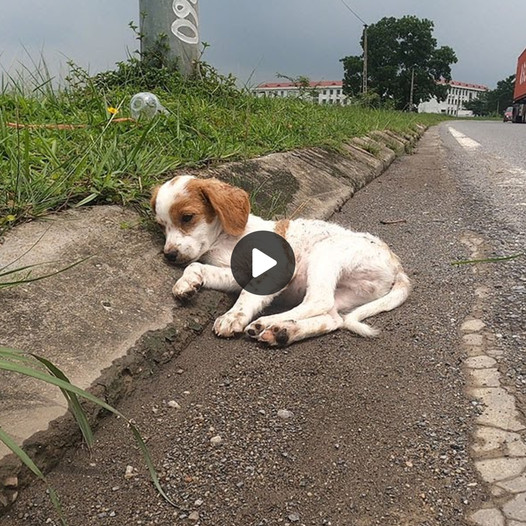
x=341 y=276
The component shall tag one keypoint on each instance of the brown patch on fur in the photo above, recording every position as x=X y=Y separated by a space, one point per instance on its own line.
x=153 y=199
x=229 y=203
x=281 y=227
x=194 y=206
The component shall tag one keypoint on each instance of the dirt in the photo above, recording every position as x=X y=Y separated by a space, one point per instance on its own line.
x=338 y=430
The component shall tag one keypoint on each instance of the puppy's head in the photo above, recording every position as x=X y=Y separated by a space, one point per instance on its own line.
x=194 y=212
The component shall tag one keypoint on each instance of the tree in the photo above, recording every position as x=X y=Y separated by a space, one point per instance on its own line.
x=479 y=106
x=401 y=51
x=494 y=101
x=502 y=96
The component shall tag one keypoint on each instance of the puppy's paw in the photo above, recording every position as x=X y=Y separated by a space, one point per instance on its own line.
x=186 y=287
x=277 y=334
x=230 y=324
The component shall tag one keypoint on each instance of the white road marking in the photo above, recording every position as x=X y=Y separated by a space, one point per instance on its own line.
x=466 y=142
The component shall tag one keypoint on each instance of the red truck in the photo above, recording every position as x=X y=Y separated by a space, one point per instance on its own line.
x=519 y=94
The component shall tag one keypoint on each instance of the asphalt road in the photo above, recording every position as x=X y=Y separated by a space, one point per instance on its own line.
x=493 y=173
x=337 y=430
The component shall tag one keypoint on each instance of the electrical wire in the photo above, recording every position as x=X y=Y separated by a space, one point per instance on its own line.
x=354 y=12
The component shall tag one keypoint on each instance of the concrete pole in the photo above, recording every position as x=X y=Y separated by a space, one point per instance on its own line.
x=178 y=21
x=412 y=89
x=365 y=60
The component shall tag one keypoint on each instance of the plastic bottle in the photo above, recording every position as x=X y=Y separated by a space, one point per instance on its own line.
x=145 y=105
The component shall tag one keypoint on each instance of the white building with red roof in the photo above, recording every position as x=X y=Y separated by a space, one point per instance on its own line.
x=322 y=92
x=458 y=94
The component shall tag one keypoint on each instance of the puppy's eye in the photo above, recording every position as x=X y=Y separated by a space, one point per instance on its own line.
x=186 y=218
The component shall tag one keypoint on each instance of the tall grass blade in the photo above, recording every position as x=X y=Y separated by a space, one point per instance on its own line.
x=73 y=402
x=27 y=279
x=487 y=260
x=24 y=457
x=7 y=365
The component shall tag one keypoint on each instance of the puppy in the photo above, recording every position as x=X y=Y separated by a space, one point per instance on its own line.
x=341 y=277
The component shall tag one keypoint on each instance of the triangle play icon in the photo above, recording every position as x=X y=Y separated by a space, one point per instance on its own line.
x=261 y=263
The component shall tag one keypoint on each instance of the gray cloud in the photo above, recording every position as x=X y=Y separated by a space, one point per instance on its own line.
x=256 y=39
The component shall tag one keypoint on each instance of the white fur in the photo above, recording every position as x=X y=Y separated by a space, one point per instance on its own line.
x=341 y=276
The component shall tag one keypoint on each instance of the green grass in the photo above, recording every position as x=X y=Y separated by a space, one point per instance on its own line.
x=41 y=369
x=45 y=169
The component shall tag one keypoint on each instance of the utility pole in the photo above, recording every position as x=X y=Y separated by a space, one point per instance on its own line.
x=364 y=74
x=411 y=91
x=175 y=25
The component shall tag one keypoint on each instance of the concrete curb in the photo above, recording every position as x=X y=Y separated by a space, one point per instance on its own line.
x=78 y=317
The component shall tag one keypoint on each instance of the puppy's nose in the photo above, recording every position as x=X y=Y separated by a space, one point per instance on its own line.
x=171 y=256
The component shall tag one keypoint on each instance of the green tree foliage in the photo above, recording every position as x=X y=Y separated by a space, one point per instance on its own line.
x=397 y=47
x=495 y=101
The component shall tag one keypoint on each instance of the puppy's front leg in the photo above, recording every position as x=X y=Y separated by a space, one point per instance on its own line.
x=197 y=275
x=241 y=314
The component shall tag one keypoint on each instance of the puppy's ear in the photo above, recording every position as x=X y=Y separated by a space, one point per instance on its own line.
x=231 y=204
x=153 y=199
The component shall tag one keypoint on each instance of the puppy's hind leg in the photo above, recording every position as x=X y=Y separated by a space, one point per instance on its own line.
x=395 y=297
x=323 y=273
x=286 y=332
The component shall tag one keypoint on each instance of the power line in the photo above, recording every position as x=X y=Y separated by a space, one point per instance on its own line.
x=354 y=12
x=365 y=26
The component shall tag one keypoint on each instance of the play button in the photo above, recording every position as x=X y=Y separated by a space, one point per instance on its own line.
x=262 y=263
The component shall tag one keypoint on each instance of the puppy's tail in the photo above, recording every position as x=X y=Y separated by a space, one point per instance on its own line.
x=395 y=297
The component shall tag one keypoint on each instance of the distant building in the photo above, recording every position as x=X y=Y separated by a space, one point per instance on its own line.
x=458 y=94
x=322 y=92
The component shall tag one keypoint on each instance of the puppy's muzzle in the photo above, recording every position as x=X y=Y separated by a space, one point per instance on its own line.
x=172 y=256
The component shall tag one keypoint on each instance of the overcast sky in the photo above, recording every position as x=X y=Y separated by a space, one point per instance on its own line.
x=254 y=39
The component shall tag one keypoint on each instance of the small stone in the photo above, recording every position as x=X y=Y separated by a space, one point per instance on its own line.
x=11 y=482
x=216 y=441
x=173 y=404
x=128 y=474
x=285 y=413
x=198 y=502
x=194 y=516
x=294 y=517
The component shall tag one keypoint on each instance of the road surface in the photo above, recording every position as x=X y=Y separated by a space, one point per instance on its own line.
x=341 y=430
